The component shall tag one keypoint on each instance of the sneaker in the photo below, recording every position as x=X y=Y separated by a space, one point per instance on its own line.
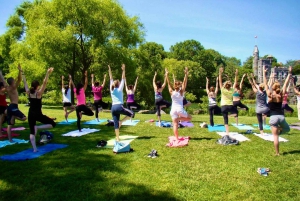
x=151 y=153
x=154 y=154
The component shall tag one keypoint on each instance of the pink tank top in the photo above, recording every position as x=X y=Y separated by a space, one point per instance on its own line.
x=285 y=97
x=97 y=92
x=80 y=97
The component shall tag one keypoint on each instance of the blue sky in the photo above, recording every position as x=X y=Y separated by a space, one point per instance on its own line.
x=228 y=26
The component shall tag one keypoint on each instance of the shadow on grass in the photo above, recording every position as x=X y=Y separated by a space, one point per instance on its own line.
x=145 y=137
x=292 y=152
x=203 y=138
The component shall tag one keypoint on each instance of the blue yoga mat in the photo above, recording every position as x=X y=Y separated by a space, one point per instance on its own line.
x=16 y=141
x=265 y=127
x=218 y=127
x=130 y=123
x=29 y=154
x=243 y=127
x=164 y=124
x=70 y=121
x=95 y=122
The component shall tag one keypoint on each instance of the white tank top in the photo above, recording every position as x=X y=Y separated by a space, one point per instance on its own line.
x=298 y=99
x=177 y=99
x=66 y=97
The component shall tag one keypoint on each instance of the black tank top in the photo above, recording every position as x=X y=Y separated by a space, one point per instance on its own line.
x=276 y=108
x=35 y=104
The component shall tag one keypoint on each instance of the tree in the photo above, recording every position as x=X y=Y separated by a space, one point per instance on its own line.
x=296 y=69
x=274 y=61
x=186 y=50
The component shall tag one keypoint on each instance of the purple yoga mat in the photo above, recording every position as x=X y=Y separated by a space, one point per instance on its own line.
x=187 y=124
x=295 y=127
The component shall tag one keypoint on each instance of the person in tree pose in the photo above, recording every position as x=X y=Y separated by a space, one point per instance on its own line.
x=237 y=98
x=226 y=98
x=159 y=101
x=35 y=114
x=130 y=90
x=186 y=103
x=213 y=108
x=261 y=107
x=13 y=111
x=177 y=111
x=285 y=105
x=116 y=91
x=3 y=103
x=81 y=108
x=297 y=92
x=66 y=92
x=275 y=98
x=97 y=90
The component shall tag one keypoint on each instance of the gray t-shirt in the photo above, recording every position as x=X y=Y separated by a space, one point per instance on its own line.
x=261 y=102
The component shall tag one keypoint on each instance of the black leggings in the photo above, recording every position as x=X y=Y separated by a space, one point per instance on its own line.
x=84 y=110
x=260 y=121
x=33 y=117
x=98 y=103
x=228 y=109
x=213 y=110
x=133 y=104
x=240 y=105
x=160 y=103
x=287 y=108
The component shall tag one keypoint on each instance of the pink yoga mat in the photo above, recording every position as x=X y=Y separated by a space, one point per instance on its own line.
x=15 y=129
x=5 y=135
x=183 y=141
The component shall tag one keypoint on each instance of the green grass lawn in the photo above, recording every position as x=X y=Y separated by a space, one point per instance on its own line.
x=203 y=170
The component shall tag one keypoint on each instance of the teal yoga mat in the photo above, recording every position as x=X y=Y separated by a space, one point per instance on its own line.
x=70 y=121
x=95 y=122
x=243 y=127
x=130 y=122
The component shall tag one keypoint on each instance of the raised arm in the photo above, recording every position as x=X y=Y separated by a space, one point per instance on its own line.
x=254 y=88
x=265 y=82
x=109 y=73
x=207 y=82
x=164 y=84
x=104 y=80
x=174 y=80
x=62 y=82
x=2 y=79
x=121 y=87
x=221 y=70
x=284 y=88
x=154 y=81
x=25 y=83
x=19 y=79
x=184 y=84
x=254 y=81
x=126 y=88
x=135 y=84
x=85 y=80
x=43 y=87
x=93 y=83
x=236 y=77
x=168 y=81
x=242 y=80
x=217 y=86
x=71 y=83
x=296 y=90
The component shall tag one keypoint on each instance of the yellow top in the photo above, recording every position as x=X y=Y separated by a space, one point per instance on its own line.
x=226 y=96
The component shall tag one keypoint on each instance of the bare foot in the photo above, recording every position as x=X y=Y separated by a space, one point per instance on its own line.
x=277 y=154
x=97 y=119
x=117 y=139
x=35 y=150
x=11 y=141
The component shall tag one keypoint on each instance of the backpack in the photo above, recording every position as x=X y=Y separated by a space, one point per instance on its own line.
x=101 y=143
x=45 y=137
x=227 y=140
x=120 y=147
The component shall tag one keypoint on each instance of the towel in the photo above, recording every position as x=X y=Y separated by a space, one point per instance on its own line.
x=16 y=141
x=243 y=127
x=123 y=138
x=130 y=122
x=84 y=131
x=269 y=137
x=29 y=154
x=95 y=122
x=70 y=121
x=187 y=124
x=15 y=129
x=164 y=124
x=235 y=135
x=217 y=127
x=265 y=127
x=12 y=134
x=183 y=141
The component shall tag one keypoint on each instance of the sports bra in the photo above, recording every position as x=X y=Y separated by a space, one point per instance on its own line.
x=236 y=94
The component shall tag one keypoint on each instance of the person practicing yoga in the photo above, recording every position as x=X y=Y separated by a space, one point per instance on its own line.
x=285 y=105
x=66 y=92
x=275 y=98
x=13 y=111
x=3 y=103
x=97 y=91
x=81 y=108
x=297 y=92
x=159 y=101
x=35 y=114
x=226 y=98
x=177 y=110
x=213 y=108
x=117 y=108
x=261 y=106
x=237 y=98
x=186 y=103
x=130 y=90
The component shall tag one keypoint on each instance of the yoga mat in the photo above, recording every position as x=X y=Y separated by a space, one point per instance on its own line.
x=29 y=154
x=16 y=141
x=6 y=136
x=70 y=121
x=265 y=127
x=217 y=127
x=84 y=131
x=15 y=129
x=243 y=127
x=234 y=135
x=130 y=122
x=123 y=139
x=95 y=122
x=187 y=124
x=164 y=124
x=295 y=127
x=295 y=124
x=269 y=137
x=183 y=141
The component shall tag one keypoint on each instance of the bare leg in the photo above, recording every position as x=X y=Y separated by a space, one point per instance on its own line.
x=275 y=133
x=42 y=127
x=227 y=129
x=124 y=119
x=9 y=133
x=188 y=104
x=188 y=118
x=175 y=128
x=32 y=140
x=237 y=120
x=1 y=122
x=117 y=131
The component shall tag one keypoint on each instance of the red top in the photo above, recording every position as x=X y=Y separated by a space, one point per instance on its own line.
x=3 y=100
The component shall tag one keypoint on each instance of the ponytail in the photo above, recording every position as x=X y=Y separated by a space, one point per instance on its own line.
x=34 y=86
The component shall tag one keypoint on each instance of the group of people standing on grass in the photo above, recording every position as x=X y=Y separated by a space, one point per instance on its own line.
x=271 y=100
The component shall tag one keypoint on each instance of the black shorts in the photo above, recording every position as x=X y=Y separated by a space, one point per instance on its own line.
x=184 y=101
x=67 y=104
x=2 y=109
x=13 y=110
x=225 y=109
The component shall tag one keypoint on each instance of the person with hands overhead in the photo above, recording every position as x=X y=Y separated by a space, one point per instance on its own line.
x=3 y=103
x=35 y=93
x=81 y=108
x=186 y=103
x=297 y=92
x=97 y=91
x=116 y=91
x=66 y=92
x=213 y=108
x=130 y=90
